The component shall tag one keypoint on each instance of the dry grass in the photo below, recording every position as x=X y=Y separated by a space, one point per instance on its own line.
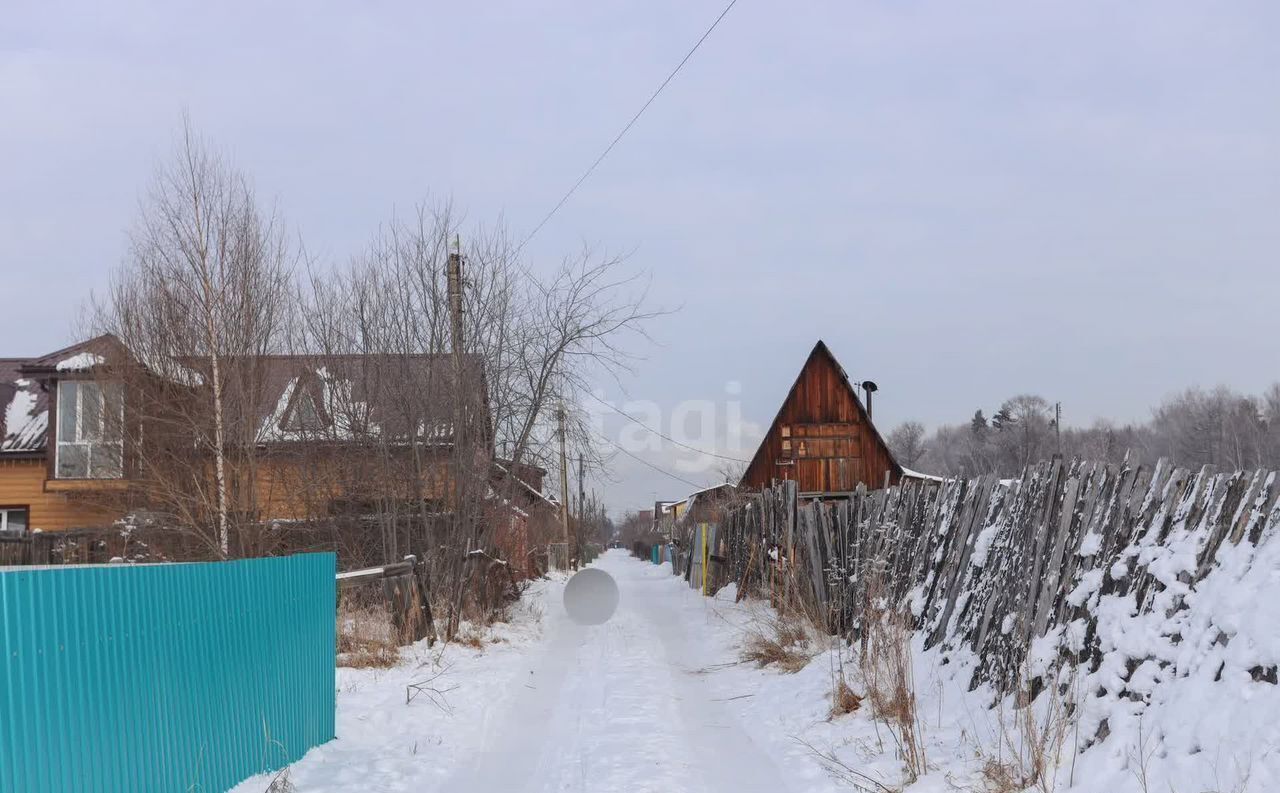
x=1032 y=739
x=887 y=676
x=470 y=636
x=1001 y=777
x=782 y=640
x=843 y=699
x=366 y=638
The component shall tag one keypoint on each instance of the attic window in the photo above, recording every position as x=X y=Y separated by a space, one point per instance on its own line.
x=90 y=430
x=304 y=415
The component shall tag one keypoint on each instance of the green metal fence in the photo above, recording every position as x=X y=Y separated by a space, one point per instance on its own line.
x=182 y=677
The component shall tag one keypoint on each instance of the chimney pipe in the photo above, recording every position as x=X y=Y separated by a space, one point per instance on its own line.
x=870 y=388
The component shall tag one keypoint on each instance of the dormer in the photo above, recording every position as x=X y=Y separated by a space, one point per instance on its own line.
x=85 y=440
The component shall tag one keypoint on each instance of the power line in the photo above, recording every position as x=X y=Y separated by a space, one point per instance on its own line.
x=630 y=123
x=657 y=468
x=635 y=420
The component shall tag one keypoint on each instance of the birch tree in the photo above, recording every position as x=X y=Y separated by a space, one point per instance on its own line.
x=202 y=296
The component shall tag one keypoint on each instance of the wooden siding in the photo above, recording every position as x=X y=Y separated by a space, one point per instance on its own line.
x=822 y=437
x=289 y=488
x=22 y=484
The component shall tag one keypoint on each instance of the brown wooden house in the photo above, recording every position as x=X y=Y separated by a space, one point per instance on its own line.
x=822 y=437
x=324 y=441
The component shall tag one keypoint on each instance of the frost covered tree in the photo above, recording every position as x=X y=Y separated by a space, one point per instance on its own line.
x=906 y=441
x=1218 y=427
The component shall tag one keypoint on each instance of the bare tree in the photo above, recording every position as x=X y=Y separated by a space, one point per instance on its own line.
x=523 y=346
x=1195 y=427
x=202 y=297
x=906 y=441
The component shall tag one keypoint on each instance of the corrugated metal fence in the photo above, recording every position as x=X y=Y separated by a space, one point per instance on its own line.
x=164 y=677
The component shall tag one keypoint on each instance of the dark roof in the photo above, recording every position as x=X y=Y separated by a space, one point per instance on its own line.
x=24 y=401
x=24 y=410
x=354 y=394
x=77 y=357
x=377 y=394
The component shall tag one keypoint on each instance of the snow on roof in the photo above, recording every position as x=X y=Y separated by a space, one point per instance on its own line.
x=79 y=362
x=350 y=409
x=528 y=487
x=907 y=473
x=709 y=489
x=26 y=419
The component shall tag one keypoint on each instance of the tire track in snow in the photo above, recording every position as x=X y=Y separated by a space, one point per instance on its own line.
x=615 y=708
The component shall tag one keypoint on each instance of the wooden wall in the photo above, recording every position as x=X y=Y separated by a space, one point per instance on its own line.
x=822 y=438
x=22 y=484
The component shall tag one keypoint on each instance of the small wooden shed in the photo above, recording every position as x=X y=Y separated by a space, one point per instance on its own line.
x=822 y=436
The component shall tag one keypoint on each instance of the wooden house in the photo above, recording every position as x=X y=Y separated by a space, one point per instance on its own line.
x=822 y=437
x=34 y=494
x=340 y=440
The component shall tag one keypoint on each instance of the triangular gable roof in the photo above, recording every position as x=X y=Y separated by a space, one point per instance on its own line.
x=820 y=350
x=24 y=402
x=368 y=390
x=78 y=357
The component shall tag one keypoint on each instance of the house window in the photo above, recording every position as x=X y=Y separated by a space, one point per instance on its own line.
x=821 y=441
x=13 y=520
x=90 y=430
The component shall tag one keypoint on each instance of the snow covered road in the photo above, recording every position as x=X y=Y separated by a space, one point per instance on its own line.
x=658 y=699
x=653 y=700
x=621 y=706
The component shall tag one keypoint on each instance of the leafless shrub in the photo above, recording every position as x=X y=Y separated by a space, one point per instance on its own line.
x=430 y=688
x=781 y=640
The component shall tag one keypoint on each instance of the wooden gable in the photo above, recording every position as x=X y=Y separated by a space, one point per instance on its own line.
x=822 y=436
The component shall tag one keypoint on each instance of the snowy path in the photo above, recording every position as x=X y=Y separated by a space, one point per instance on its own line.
x=621 y=706
x=653 y=700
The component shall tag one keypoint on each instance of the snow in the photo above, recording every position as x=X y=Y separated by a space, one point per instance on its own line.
x=1089 y=583
x=22 y=422
x=1090 y=544
x=658 y=699
x=79 y=362
x=623 y=706
x=910 y=474
x=982 y=545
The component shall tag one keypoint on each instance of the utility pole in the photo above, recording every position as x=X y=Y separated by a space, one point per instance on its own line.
x=582 y=493
x=564 y=481
x=1057 y=424
x=454 y=289
x=460 y=442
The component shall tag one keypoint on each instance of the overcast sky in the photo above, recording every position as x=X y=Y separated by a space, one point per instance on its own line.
x=965 y=200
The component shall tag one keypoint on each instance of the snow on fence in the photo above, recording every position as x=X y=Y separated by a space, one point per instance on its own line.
x=1105 y=568
x=166 y=676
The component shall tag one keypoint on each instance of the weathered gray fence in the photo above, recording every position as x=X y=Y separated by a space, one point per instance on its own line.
x=991 y=564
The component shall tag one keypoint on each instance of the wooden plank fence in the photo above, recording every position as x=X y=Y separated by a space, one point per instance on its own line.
x=991 y=565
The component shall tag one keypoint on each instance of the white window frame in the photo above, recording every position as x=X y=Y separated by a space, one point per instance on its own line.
x=4 y=520
x=88 y=444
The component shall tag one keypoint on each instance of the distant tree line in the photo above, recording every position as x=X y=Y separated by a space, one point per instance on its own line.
x=1219 y=427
